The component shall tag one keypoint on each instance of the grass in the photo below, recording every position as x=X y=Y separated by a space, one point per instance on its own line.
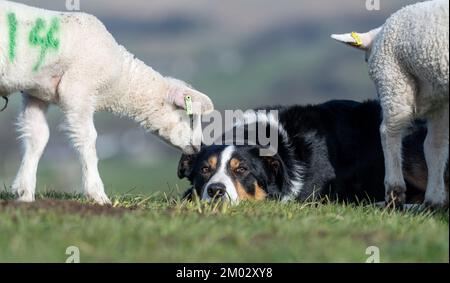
x=159 y=228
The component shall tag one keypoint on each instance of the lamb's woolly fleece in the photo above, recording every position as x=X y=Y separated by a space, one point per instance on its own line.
x=88 y=66
x=408 y=60
x=71 y=60
x=415 y=41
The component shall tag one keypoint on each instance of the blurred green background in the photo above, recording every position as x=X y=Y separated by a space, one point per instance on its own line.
x=242 y=54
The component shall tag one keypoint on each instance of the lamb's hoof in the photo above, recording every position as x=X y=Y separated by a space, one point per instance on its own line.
x=435 y=205
x=436 y=200
x=22 y=195
x=395 y=197
x=99 y=198
x=25 y=199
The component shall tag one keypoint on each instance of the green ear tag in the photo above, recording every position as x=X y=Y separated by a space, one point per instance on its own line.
x=188 y=104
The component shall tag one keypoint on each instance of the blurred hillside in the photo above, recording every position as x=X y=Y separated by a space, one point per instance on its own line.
x=241 y=53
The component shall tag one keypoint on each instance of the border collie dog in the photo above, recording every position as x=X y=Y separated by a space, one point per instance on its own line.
x=328 y=150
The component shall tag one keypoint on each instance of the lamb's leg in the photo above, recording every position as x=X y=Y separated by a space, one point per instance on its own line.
x=436 y=154
x=82 y=133
x=393 y=181
x=396 y=91
x=34 y=134
x=77 y=103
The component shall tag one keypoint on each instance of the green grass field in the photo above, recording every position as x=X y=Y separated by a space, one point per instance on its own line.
x=160 y=228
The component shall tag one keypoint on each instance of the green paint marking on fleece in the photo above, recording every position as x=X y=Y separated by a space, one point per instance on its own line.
x=46 y=42
x=12 y=23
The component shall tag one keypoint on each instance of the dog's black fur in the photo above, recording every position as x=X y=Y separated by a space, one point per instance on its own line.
x=333 y=148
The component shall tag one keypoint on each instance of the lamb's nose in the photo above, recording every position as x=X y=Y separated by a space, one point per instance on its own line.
x=216 y=190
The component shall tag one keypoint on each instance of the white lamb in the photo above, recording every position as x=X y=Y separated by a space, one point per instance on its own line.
x=408 y=60
x=71 y=60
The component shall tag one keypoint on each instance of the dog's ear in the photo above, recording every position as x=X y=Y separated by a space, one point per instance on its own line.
x=278 y=170
x=185 y=165
x=274 y=163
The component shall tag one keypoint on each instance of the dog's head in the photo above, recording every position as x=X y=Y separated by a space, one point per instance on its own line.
x=233 y=173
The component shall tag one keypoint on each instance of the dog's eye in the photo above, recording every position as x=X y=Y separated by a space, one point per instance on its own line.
x=241 y=170
x=205 y=170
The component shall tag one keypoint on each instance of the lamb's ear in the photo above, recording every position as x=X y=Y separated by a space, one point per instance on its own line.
x=185 y=165
x=201 y=104
x=205 y=105
x=361 y=41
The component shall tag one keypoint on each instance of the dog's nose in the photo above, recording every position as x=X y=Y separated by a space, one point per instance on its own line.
x=216 y=190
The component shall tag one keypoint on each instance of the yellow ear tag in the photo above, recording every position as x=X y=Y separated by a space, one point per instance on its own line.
x=188 y=104
x=356 y=37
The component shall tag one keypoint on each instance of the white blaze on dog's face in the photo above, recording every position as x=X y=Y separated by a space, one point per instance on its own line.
x=220 y=184
x=231 y=173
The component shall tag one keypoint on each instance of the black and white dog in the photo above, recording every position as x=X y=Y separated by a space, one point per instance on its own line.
x=329 y=150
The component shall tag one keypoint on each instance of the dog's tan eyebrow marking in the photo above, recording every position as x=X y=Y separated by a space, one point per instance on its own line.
x=234 y=163
x=212 y=161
